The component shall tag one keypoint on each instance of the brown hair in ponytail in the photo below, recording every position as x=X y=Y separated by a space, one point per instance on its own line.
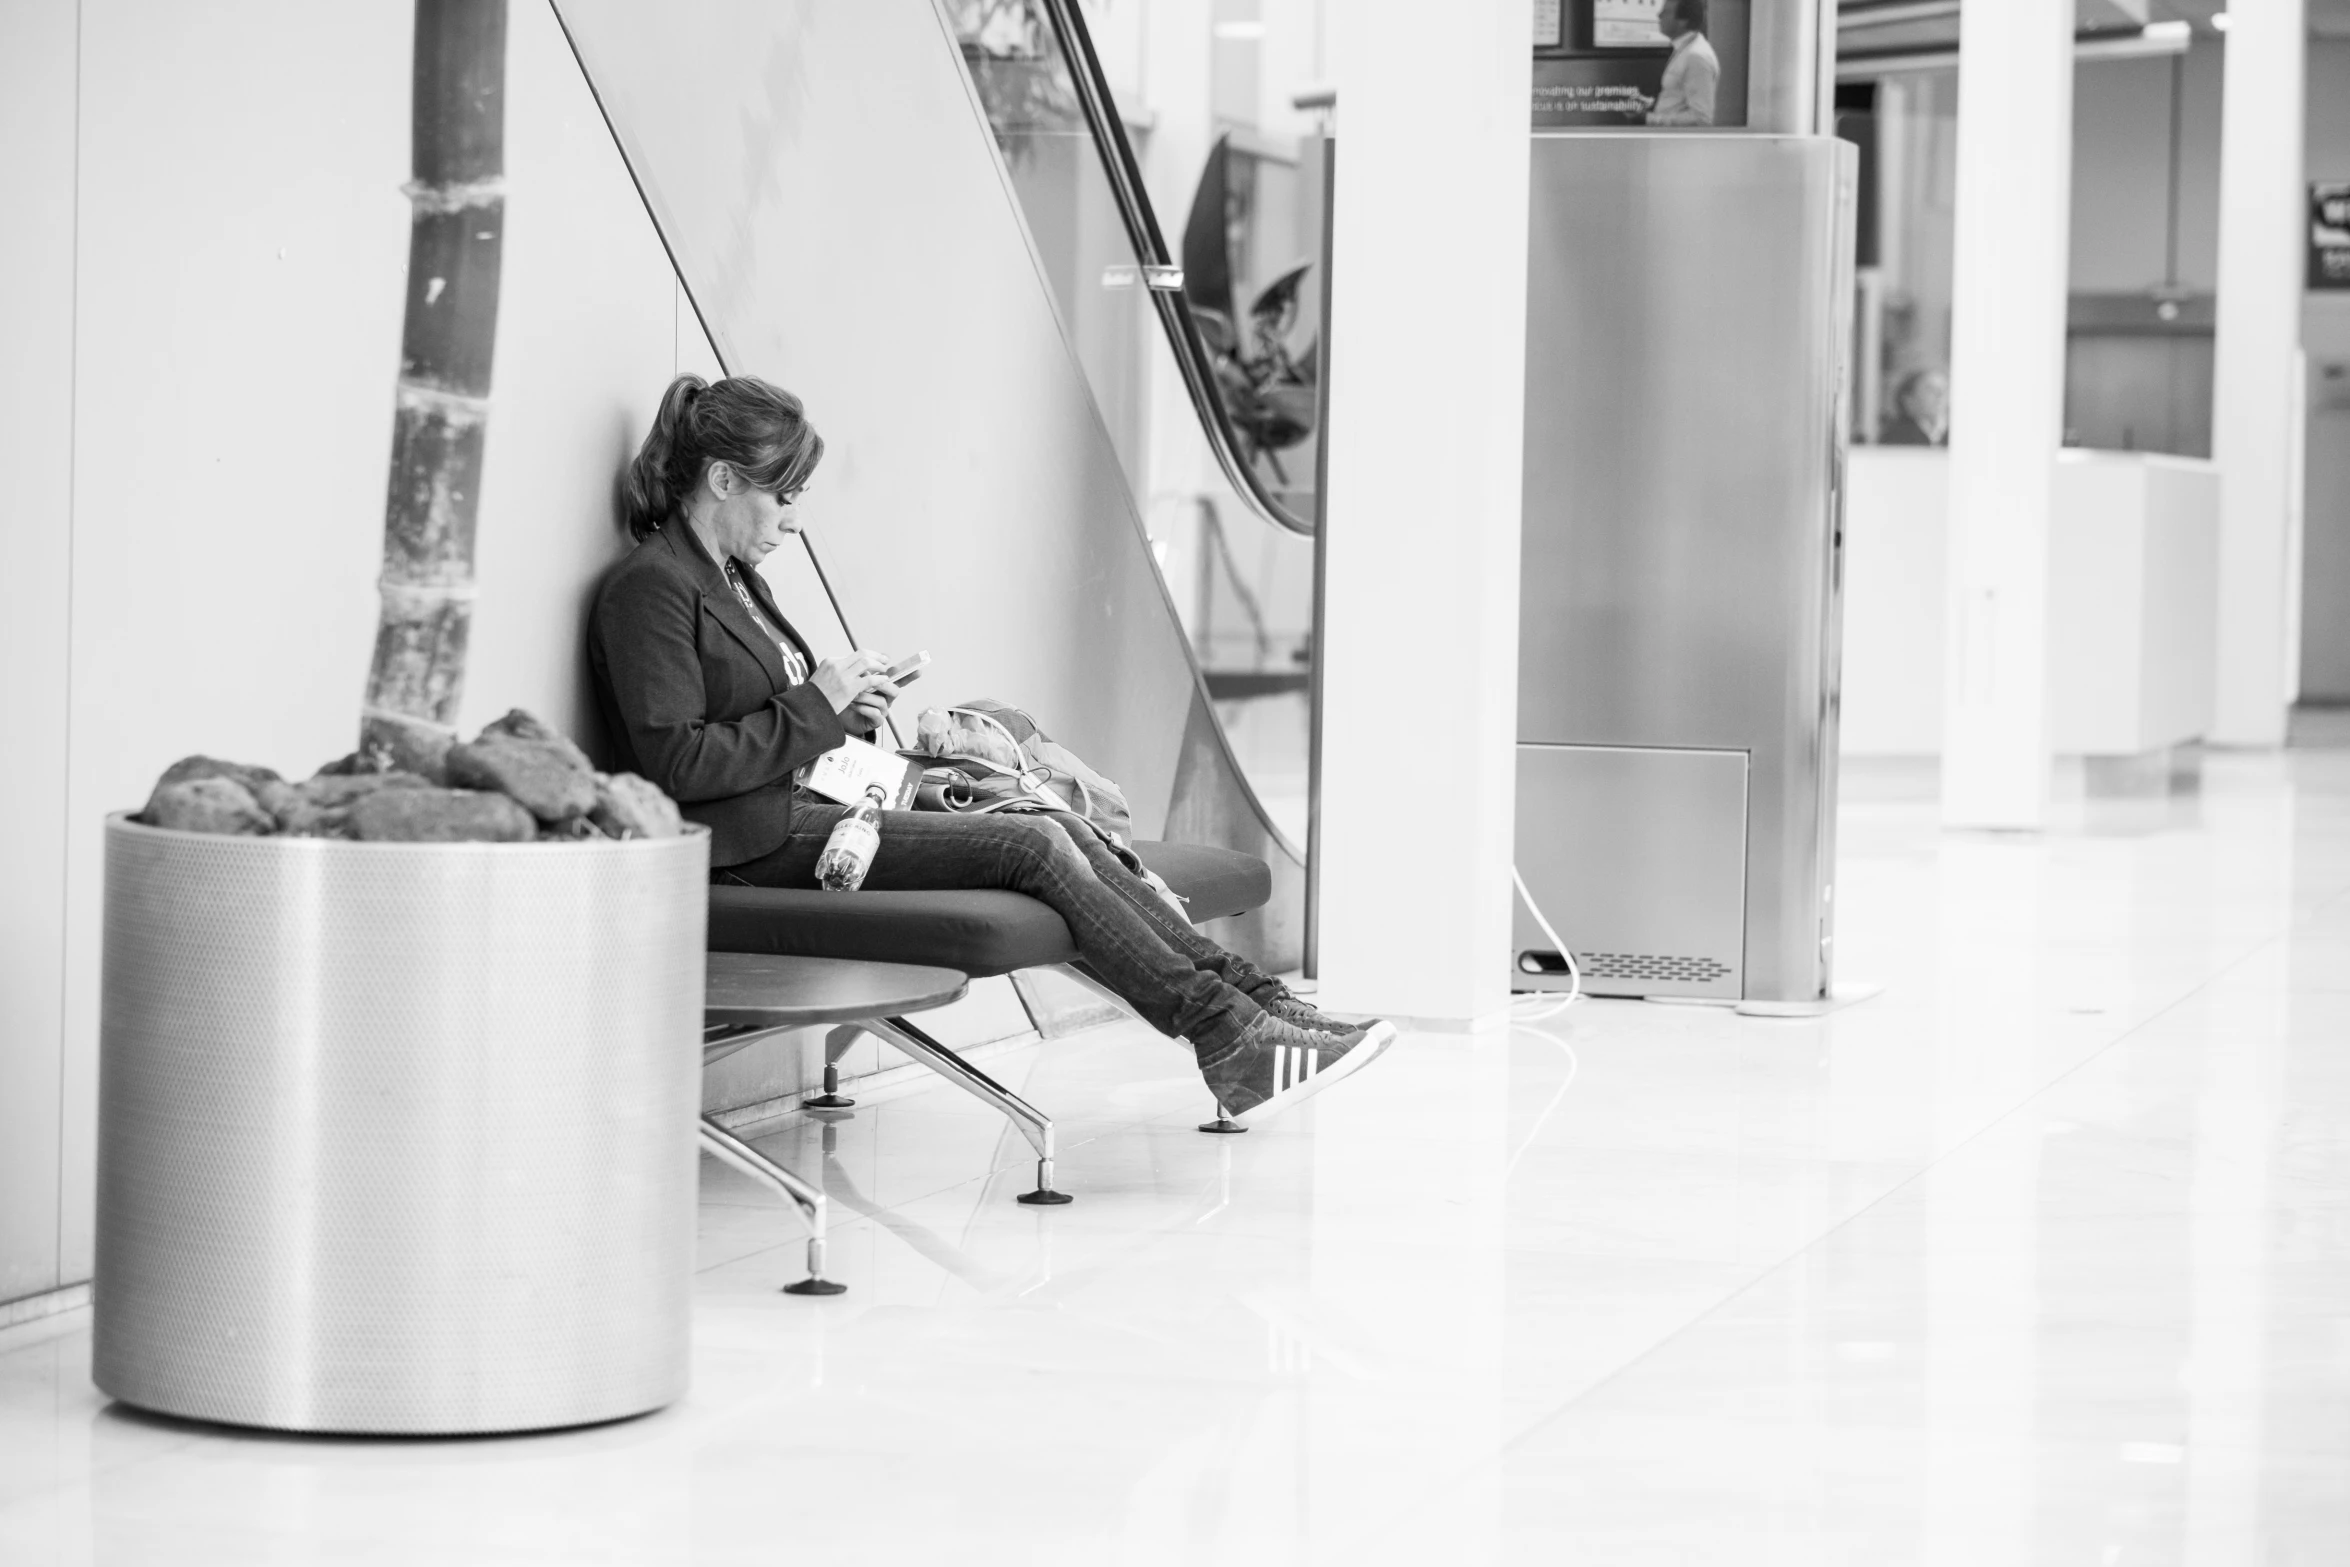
x=755 y=427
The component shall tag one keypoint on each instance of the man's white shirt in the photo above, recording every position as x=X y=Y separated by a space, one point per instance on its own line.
x=1687 y=96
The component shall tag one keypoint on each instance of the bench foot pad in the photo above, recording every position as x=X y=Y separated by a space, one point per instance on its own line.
x=1044 y=1196
x=816 y=1287
x=828 y=1102
x=1222 y=1123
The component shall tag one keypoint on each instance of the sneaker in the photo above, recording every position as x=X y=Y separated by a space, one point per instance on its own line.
x=1276 y=1064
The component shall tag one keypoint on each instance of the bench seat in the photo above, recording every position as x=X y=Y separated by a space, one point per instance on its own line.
x=982 y=932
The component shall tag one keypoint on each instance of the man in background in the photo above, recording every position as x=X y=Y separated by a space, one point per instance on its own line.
x=1687 y=96
x=1921 y=411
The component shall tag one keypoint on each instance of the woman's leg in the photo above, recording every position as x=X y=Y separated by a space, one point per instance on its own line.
x=1177 y=932
x=930 y=851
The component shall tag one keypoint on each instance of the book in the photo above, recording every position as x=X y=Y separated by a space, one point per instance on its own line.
x=845 y=772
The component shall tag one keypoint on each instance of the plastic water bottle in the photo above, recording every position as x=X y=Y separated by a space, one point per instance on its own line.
x=848 y=853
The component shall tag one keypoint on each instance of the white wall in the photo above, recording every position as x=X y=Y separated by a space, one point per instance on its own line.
x=2122 y=126
x=1896 y=566
x=2328 y=107
x=2131 y=616
x=2325 y=337
x=199 y=330
x=36 y=425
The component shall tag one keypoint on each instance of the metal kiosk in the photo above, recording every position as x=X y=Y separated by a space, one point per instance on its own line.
x=1687 y=352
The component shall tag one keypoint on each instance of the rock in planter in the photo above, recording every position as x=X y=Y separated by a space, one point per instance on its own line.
x=213 y=803
x=629 y=807
x=264 y=786
x=189 y=768
x=515 y=781
x=549 y=777
x=429 y=815
x=320 y=807
x=520 y=725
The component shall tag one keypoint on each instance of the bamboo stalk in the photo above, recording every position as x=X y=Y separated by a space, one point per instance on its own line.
x=441 y=412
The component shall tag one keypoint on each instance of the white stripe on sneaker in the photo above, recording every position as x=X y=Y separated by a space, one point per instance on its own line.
x=1298 y=1080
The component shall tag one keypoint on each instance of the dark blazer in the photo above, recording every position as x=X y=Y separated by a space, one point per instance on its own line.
x=694 y=697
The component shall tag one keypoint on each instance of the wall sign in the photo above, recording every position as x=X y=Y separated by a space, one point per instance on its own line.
x=1640 y=64
x=2329 y=234
x=1624 y=24
x=1550 y=24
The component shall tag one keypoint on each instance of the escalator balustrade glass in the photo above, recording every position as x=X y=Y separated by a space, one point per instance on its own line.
x=1203 y=362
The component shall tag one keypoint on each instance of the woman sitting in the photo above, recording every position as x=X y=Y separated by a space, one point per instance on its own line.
x=709 y=692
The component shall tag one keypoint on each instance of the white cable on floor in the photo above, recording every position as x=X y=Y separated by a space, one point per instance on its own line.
x=1574 y=1070
x=1574 y=973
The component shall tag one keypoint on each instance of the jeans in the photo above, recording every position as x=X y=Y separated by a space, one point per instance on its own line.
x=1180 y=982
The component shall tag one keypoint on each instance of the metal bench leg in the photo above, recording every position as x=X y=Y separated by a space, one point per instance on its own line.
x=1093 y=982
x=808 y=1201
x=1033 y=1123
x=836 y=1045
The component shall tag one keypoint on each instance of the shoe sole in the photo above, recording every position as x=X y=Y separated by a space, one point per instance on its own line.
x=1374 y=1045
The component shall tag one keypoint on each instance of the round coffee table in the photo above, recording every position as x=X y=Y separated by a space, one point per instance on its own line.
x=749 y=995
x=758 y=990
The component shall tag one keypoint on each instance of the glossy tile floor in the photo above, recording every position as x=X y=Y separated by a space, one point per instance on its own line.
x=2041 y=1256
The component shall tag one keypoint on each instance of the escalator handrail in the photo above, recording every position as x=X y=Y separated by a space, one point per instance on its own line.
x=1150 y=247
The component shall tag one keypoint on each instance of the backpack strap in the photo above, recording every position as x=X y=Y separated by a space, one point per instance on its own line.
x=981 y=716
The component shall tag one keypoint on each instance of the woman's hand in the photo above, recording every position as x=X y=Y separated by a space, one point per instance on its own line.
x=864 y=715
x=846 y=678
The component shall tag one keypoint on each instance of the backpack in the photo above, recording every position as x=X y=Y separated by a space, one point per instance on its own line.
x=990 y=756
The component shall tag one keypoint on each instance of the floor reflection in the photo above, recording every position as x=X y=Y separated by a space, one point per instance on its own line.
x=2040 y=1256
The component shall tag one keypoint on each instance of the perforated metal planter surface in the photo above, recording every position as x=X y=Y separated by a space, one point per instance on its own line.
x=397 y=1138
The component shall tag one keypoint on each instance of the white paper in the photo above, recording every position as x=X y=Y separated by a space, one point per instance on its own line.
x=854 y=766
x=1626 y=24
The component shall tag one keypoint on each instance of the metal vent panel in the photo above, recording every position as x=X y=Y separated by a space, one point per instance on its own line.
x=1645 y=965
x=1638 y=858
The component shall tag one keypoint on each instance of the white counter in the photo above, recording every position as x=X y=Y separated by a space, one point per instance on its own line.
x=2133 y=552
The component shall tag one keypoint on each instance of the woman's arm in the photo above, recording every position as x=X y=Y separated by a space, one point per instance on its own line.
x=646 y=651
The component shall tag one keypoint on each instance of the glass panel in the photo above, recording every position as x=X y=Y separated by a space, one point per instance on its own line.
x=1907 y=127
x=1250 y=247
x=2138 y=361
x=1241 y=585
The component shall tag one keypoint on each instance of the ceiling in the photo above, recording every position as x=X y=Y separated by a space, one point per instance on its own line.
x=2327 y=19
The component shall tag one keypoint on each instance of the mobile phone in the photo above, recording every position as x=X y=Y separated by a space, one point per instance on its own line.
x=908 y=669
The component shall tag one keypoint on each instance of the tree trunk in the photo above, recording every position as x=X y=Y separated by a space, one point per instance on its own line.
x=455 y=241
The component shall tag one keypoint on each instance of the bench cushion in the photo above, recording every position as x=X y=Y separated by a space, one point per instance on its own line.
x=1217 y=882
x=981 y=932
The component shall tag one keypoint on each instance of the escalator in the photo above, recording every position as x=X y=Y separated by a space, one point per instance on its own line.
x=941 y=240
x=1202 y=350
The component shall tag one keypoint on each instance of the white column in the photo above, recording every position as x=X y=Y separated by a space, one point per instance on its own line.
x=2260 y=266
x=1420 y=641
x=2008 y=285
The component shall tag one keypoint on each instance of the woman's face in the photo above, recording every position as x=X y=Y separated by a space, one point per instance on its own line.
x=749 y=522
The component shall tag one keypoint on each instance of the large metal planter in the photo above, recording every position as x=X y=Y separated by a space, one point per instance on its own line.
x=397 y=1137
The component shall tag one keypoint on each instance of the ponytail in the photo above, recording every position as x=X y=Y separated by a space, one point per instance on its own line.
x=758 y=429
x=645 y=491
